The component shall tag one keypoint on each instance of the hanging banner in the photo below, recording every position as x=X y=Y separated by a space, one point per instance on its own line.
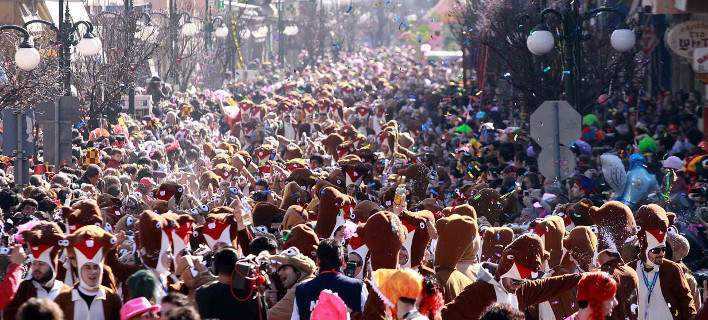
x=683 y=38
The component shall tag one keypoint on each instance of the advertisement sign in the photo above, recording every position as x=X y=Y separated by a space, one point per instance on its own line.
x=700 y=60
x=685 y=37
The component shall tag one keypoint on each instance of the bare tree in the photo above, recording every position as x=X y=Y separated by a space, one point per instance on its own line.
x=26 y=89
x=102 y=81
x=503 y=25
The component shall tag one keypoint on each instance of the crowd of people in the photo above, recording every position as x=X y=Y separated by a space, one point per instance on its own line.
x=371 y=186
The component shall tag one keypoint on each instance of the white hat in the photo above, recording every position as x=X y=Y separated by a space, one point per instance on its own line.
x=673 y=162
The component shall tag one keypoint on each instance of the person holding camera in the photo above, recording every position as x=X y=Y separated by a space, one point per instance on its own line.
x=293 y=268
x=330 y=258
x=221 y=300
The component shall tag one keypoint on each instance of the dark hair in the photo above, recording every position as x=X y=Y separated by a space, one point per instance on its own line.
x=143 y=283
x=329 y=254
x=92 y=170
x=261 y=243
x=225 y=261
x=176 y=299
x=318 y=159
x=183 y=313
x=39 y=309
x=502 y=311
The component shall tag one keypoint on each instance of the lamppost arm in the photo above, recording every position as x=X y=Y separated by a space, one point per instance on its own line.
x=44 y=22
x=21 y=30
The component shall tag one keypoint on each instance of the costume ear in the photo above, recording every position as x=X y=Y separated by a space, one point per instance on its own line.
x=66 y=212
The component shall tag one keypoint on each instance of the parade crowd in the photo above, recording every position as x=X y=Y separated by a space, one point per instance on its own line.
x=372 y=186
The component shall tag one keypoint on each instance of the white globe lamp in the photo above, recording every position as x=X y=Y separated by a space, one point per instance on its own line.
x=221 y=32
x=88 y=46
x=27 y=57
x=540 y=42
x=425 y=47
x=623 y=40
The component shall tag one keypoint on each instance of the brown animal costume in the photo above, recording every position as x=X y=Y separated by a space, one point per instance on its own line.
x=579 y=249
x=334 y=209
x=268 y=215
x=551 y=229
x=494 y=240
x=615 y=224
x=167 y=190
x=304 y=239
x=575 y=214
x=181 y=234
x=671 y=297
x=221 y=227
x=455 y=236
x=365 y=209
x=418 y=236
x=520 y=261
x=90 y=244
x=45 y=240
x=383 y=234
x=294 y=215
x=82 y=213
x=293 y=194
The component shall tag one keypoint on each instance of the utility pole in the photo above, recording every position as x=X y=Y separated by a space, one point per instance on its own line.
x=129 y=35
x=281 y=48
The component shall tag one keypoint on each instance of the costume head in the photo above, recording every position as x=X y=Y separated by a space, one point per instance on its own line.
x=522 y=259
x=494 y=240
x=167 y=190
x=181 y=234
x=303 y=238
x=218 y=228
x=82 y=213
x=652 y=228
x=487 y=202
x=45 y=241
x=551 y=229
x=154 y=239
x=90 y=244
x=383 y=234
x=615 y=224
x=580 y=245
x=417 y=236
x=456 y=234
x=334 y=209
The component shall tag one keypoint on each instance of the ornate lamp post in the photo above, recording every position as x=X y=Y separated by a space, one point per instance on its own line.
x=27 y=57
x=570 y=36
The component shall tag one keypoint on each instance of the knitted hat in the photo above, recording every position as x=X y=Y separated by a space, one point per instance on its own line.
x=383 y=234
x=615 y=224
x=45 y=241
x=581 y=245
x=329 y=306
x=334 y=209
x=455 y=236
x=595 y=288
x=551 y=229
x=494 y=240
x=153 y=238
x=90 y=244
x=82 y=213
x=303 y=238
x=522 y=258
x=652 y=225
x=417 y=235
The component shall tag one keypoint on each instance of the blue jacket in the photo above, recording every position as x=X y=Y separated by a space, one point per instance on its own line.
x=351 y=290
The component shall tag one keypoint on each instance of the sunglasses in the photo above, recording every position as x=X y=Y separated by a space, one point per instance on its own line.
x=658 y=250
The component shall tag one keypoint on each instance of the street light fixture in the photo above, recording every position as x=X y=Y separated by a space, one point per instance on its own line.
x=26 y=56
x=570 y=36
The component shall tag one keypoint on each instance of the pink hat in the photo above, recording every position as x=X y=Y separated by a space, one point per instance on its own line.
x=137 y=306
x=329 y=306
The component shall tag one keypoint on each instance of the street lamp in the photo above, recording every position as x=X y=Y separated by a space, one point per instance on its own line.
x=26 y=56
x=570 y=36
